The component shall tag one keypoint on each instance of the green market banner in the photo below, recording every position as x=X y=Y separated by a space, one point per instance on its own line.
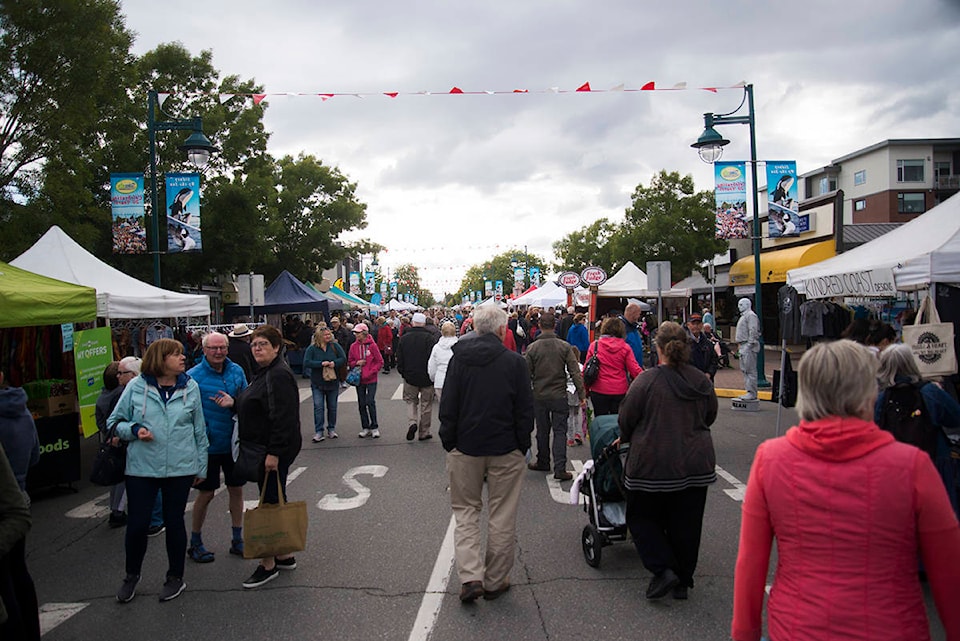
x=92 y=352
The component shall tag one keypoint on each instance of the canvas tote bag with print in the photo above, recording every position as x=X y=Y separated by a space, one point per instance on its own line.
x=272 y=529
x=931 y=342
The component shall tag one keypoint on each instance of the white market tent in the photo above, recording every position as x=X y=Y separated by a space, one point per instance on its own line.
x=399 y=305
x=925 y=250
x=631 y=281
x=549 y=294
x=491 y=301
x=56 y=255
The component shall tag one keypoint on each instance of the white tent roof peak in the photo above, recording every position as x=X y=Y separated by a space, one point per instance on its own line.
x=56 y=255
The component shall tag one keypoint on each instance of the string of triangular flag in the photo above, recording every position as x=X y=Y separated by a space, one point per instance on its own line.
x=455 y=91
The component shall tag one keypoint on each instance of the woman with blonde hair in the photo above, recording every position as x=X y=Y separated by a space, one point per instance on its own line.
x=323 y=358
x=850 y=508
x=440 y=357
x=666 y=418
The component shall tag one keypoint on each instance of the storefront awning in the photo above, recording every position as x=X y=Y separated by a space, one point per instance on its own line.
x=774 y=265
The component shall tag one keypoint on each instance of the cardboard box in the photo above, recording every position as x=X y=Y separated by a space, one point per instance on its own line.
x=53 y=406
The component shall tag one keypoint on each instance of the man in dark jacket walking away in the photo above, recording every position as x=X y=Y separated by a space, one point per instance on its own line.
x=486 y=417
x=550 y=360
x=412 y=356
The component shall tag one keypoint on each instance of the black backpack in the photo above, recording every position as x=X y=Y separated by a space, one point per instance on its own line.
x=905 y=415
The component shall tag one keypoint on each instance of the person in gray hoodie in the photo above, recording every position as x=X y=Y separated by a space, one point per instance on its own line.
x=18 y=433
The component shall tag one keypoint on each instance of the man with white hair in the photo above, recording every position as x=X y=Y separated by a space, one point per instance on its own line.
x=486 y=418
x=631 y=323
x=416 y=343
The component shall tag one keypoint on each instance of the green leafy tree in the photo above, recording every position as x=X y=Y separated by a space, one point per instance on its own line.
x=498 y=267
x=668 y=221
x=585 y=247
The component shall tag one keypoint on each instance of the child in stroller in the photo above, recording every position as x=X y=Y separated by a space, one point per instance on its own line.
x=601 y=486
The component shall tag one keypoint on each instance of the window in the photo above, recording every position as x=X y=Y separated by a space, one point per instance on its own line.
x=911 y=203
x=827 y=184
x=941 y=169
x=860 y=177
x=859 y=205
x=910 y=171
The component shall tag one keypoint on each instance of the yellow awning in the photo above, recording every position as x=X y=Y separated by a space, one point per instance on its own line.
x=774 y=265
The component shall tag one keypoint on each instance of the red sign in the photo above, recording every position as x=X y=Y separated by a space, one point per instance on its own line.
x=593 y=276
x=569 y=280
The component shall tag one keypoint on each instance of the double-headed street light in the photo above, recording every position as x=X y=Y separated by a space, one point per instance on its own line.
x=710 y=147
x=198 y=149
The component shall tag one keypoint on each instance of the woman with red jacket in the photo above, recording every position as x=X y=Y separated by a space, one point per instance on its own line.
x=617 y=362
x=385 y=343
x=851 y=510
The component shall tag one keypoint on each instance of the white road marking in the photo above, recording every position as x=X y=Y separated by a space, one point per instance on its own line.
x=291 y=477
x=53 y=614
x=398 y=394
x=739 y=488
x=94 y=509
x=348 y=395
x=436 y=589
x=333 y=503
x=305 y=393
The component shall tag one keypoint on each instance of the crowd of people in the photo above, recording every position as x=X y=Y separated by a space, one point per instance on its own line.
x=861 y=496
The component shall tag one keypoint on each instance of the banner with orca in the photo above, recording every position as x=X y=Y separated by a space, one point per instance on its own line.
x=183 y=213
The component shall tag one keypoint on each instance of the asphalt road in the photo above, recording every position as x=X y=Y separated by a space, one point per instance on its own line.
x=379 y=559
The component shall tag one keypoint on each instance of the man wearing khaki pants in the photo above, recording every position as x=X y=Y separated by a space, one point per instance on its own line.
x=486 y=418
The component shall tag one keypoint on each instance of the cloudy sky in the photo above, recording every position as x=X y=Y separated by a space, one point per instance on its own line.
x=450 y=180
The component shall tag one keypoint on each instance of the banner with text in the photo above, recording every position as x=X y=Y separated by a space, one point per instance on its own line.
x=92 y=352
x=869 y=283
x=731 y=199
x=129 y=219
x=782 y=203
x=183 y=213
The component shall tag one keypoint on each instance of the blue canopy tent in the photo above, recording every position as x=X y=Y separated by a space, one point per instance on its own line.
x=286 y=295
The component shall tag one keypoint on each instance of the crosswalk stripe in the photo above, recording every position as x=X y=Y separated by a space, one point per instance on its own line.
x=53 y=614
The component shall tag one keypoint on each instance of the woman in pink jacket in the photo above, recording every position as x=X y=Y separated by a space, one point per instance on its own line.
x=364 y=352
x=850 y=508
x=618 y=367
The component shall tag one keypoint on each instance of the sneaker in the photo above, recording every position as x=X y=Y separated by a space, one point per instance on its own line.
x=260 y=576
x=128 y=589
x=578 y=440
x=117 y=519
x=172 y=588
x=287 y=564
x=333 y=434
x=318 y=438
x=156 y=530
x=364 y=433
x=375 y=433
x=411 y=431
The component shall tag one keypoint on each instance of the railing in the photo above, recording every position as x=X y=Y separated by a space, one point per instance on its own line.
x=948 y=182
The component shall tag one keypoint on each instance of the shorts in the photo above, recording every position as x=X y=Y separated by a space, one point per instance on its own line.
x=216 y=462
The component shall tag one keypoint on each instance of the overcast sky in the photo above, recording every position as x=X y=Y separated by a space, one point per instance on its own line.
x=451 y=180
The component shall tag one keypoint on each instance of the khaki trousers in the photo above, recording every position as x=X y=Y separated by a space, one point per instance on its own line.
x=419 y=402
x=504 y=480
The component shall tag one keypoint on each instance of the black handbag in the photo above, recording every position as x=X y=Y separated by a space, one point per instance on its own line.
x=250 y=461
x=591 y=371
x=110 y=464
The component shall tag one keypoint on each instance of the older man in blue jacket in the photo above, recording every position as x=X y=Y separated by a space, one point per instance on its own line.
x=220 y=381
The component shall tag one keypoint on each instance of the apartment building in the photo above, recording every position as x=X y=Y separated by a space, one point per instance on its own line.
x=892 y=181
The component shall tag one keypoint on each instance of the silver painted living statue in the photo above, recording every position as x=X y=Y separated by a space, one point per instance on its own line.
x=748 y=341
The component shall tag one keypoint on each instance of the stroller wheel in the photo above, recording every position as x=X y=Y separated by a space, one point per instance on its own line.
x=592 y=545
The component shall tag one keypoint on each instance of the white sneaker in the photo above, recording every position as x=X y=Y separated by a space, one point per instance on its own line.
x=376 y=433
x=317 y=438
x=364 y=433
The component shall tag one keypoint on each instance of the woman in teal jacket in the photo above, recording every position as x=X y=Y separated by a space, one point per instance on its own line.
x=161 y=416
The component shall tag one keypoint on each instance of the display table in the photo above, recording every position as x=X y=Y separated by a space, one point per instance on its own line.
x=59 y=452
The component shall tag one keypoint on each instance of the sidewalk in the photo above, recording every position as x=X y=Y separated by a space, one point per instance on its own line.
x=728 y=383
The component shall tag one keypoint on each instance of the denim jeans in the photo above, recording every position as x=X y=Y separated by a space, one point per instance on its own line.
x=367 y=400
x=325 y=397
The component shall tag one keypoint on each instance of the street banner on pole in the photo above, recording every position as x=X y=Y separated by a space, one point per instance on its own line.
x=129 y=221
x=730 y=189
x=370 y=278
x=355 y=283
x=783 y=219
x=183 y=213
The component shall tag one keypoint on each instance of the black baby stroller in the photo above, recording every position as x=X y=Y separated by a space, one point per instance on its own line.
x=602 y=488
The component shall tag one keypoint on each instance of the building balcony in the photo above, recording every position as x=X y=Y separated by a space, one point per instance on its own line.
x=948 y=182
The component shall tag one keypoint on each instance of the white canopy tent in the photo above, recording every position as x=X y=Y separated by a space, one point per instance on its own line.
x=550 y=295
x=399 y=305
x=56 y=255
x=631 y=281
x=491 y=301
x=923 y=251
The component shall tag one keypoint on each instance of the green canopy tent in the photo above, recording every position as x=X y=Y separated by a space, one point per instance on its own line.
x=28 y=299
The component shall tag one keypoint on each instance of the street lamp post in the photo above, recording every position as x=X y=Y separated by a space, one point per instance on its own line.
x=198 y=149
x=710 y=147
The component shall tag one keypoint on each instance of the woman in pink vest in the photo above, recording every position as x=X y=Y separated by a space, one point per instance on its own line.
x=850 y=508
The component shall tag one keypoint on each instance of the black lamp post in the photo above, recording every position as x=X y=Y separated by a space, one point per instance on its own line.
x=198 y=149
x=710 y=147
